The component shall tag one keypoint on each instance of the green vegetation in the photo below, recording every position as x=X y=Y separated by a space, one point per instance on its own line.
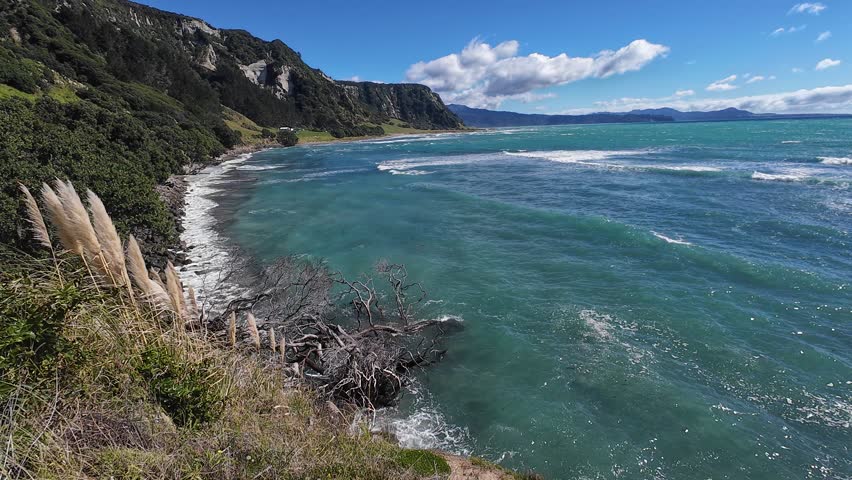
x=423 y=462
x=287 y=138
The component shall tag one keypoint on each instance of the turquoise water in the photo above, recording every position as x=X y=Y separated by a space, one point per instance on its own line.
x=639 y=301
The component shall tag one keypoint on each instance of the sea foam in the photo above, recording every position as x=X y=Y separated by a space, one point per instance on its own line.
x=835 y=160
x=208 y=252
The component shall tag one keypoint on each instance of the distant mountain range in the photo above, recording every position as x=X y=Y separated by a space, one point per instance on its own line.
x=478 y=117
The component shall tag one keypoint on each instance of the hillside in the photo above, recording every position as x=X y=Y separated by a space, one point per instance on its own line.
x=118 y=96
x=478 y=117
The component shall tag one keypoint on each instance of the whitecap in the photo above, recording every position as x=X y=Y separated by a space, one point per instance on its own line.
x=257 y=168
x=780 y=177
x=576 y=156
x=677 y=241
x=791 y=141
x=835 y=160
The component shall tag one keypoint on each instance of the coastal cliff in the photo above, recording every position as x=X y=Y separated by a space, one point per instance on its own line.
x=118 y=97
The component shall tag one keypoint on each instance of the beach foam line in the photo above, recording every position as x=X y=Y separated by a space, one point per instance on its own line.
x=208 y=252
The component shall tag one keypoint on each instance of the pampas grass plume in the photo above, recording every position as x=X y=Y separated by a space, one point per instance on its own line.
x=174 y=288
x=108 y=237
x=78 y=221
x=136 y=266
x=272 y=345
x=251 y=323
x=38 y=226
x=59 y=219
x=232 y=329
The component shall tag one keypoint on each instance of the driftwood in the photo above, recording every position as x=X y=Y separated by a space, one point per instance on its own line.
x=359 y=348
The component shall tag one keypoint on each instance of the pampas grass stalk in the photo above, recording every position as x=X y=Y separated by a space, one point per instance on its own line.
x=136 y=266
x=155 y=277
x=272 y=345
x=39 y=227
x=192 y=309
x=232 y=329
x=251 y=323
x=37 y=224
x=59 y=219
x=174 y=288
x=282 y=345
x=78 y=219
x=111 y=251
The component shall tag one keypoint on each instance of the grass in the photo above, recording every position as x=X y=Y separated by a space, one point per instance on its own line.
x=251 y=132
x=62 y=94
x=139 y=399
x=7 y=91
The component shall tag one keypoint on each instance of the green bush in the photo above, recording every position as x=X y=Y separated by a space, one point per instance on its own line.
x=287 y=138
x=32 y=320
x=186 y=390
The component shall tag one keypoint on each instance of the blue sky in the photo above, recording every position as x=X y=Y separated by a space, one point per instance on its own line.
x=545 y=56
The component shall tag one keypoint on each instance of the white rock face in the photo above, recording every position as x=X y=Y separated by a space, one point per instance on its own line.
x=191 y=26
x=259 y=73
x=256 y=72
x=282 y=83
x=208 y=58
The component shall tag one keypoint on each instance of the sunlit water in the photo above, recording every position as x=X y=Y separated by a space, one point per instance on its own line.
x=639 y=301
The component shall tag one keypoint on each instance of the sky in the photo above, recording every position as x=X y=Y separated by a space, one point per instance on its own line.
x=551 y=56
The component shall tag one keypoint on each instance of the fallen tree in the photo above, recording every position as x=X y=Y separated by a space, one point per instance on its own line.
x=359 y=348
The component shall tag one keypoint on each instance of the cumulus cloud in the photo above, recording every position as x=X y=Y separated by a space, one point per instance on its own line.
x=832 y=99
x=823 y=36
x=485 y=76
x=812 y=8
x=722 y=85
x=684 y=93
x=827 y=63
x=781 y=30
x=797 y=70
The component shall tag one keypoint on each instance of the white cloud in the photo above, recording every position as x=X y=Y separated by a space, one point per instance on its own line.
x=485 y=76
x=354 y=78
x=684 y=93
x=827 y=63
x=722 y=85
x=781 y=30
x=760 y=78
x=833 y=99
x=823 y=36
x=797 y=70
x=812 y=8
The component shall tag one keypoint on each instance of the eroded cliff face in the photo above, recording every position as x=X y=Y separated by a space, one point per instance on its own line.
x=414 y=104
x=266 y=81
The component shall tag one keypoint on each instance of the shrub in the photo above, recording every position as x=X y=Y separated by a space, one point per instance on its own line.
x=32 y=320
x=186 y=390
x=287 y=138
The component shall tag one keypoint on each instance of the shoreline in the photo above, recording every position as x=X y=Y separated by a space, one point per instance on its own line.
x=174 y=190
x=206 y=252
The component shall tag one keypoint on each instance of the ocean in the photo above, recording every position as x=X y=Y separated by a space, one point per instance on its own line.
x=638 y=301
